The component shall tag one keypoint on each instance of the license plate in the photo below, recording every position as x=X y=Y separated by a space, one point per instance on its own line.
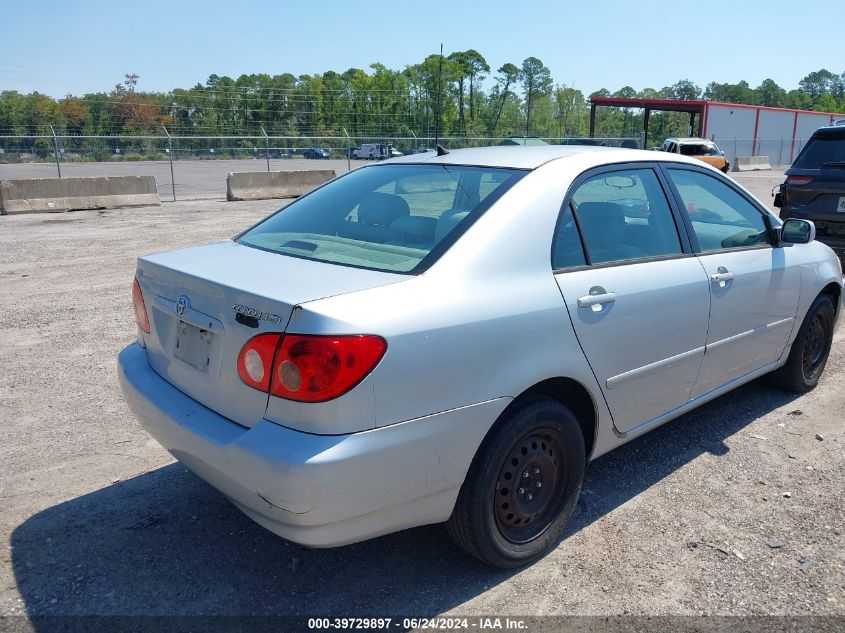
x=193 y=346
x=841 y=206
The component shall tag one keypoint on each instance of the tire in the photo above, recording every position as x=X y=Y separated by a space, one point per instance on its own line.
x=808 y=354
x=535 y=442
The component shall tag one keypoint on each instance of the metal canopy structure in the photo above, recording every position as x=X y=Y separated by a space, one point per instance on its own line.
x=661 y=105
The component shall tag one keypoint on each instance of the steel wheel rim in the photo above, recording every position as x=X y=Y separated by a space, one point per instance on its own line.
x=814 y=347
x=530 y=485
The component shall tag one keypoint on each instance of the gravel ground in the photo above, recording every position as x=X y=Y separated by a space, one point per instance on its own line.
x=737 y=508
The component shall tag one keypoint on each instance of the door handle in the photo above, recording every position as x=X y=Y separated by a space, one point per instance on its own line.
x=722 y=276
x=597 y=300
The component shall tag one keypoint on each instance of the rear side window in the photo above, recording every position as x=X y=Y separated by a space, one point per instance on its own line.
x=622 y=215
x=721 y=218
x=821 y=151
x=566 y=249
x=389 y=217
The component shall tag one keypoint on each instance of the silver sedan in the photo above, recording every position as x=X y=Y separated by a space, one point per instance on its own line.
x=451 y=337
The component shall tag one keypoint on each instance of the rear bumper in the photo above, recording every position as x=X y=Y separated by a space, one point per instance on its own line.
x=317 y=490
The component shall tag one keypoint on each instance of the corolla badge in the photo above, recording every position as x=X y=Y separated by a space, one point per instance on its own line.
x=182 y=305
x=258 y=315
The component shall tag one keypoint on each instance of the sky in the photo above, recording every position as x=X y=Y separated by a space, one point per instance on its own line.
x=79 y=46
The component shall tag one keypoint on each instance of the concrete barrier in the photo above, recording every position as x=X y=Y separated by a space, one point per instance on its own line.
x=751 y=163
x=32 y=195
x=263 y=185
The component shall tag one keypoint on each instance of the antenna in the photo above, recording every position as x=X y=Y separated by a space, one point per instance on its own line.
x=439 y=90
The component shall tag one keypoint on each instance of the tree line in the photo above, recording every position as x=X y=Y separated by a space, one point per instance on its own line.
x=458 y=95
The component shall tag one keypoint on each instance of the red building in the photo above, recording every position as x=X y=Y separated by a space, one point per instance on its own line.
x=738 y=129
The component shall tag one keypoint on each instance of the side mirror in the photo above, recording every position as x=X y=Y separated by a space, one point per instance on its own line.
x=796 y=231
x=778 y=200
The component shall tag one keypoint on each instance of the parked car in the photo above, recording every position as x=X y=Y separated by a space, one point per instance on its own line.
x=815 y=186
x=452 y=338
x=700 y=148
x=418 y=150
x=316 y=152
x=375 y=151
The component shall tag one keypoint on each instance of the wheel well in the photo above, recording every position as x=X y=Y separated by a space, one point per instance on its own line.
x=835 y=291
x=575 y=396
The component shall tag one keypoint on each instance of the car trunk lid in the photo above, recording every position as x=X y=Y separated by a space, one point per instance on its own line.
x=205 y=302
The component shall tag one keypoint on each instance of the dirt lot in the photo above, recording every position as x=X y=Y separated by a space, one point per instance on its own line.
x=736 y=508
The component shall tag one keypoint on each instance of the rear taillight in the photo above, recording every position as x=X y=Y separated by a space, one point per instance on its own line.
x=318 y=368
x=255 y=362
x=141 y=317
x=798 y=180
x=308 y=368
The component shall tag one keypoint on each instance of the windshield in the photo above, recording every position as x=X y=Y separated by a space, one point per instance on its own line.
x=820 y=150
x=699 y=149
x=394 y=218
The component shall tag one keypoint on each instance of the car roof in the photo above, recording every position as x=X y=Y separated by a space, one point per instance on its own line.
x=689 y=139
x=533 y=156
x=837 y=131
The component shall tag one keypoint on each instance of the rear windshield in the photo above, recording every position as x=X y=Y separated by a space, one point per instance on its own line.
x=820 y=150
x=394 y=218
x=699 y=149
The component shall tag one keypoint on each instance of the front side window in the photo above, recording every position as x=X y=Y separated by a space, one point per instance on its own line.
x=721 y=218
x=624 y=215
x=386 y=217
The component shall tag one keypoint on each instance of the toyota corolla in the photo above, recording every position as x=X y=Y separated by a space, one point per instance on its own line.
x=452 y=337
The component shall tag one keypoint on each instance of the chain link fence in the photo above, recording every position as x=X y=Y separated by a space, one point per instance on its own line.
x=194 y=167
x=781 y=151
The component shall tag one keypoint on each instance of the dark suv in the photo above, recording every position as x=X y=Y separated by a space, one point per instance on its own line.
x=815 y=187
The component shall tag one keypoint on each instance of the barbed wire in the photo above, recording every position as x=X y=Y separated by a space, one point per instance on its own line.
x=253 y=137
x=240 y=99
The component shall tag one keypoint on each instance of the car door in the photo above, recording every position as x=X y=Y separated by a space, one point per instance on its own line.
x=636 y=296
x=754 y=289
